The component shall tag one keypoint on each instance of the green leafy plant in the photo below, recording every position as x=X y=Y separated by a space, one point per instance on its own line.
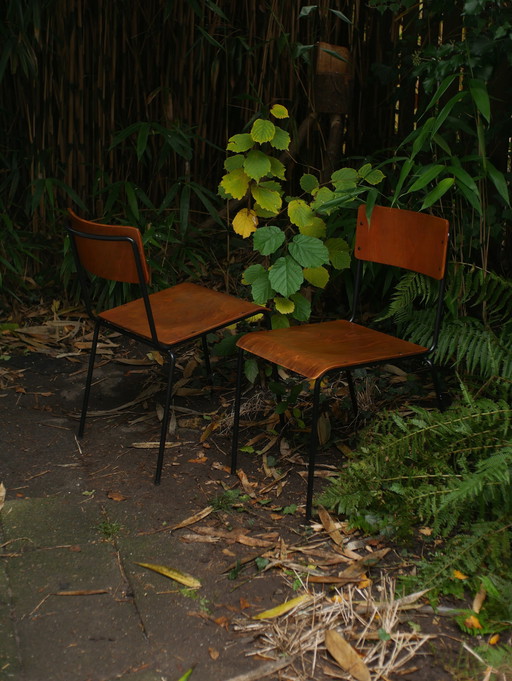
x=298 y=251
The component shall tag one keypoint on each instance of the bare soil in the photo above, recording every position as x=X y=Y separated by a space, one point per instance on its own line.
x=250 y=543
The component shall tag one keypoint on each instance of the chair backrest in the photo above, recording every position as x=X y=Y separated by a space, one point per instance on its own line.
x=112 y=252
x=403 y=238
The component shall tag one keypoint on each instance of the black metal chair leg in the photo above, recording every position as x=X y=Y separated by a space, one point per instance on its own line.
x=165 y=419
x=206 y=354
x=442 y=400
x=236 y=410
x=88 y=381
x=313 y=446
x=352 y=392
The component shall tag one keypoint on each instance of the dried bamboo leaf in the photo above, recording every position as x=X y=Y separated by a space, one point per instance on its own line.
x=346 y=656
x=283 y=608
x=176 y=575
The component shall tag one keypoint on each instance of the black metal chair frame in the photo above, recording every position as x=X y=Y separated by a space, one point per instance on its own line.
x=168 y=351
x=313 y=443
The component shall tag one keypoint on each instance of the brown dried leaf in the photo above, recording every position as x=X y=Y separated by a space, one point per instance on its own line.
x=116 y=496
x=193 y=518
x=2 y=495
x=330 y=526
x=346 y=656
x=213 y=653
x=479 y=599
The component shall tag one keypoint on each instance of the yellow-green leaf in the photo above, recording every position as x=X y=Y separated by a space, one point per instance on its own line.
x=257 y=164
x=318 y=276
x=281 y=139
x=176 y=575
x=241 y=142
x=300 y=213
x=279 y=111
x=284 y=305
x=262 y=130
x=235 y=183
x=316 y=227
x=283 y=608
x=268 y=199
x=245 y=222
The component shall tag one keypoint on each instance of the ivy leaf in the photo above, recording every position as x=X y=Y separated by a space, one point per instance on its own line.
x=241 y=142
x=300 y=213
x=279 y=111
x=308 y=183
x=262 y=131
x=268 y=239
x=268 y=199
x=318 y=276
x=284 y=305
x=302 y=310
x=308 y=251
x=285 y=276
x=280 y=140
x=316 y=227
x=235 y=183
x=256 y=164
x=277 y=168
x=234 y=162
x=245 y=222
x=439 y=190
x=338 y=253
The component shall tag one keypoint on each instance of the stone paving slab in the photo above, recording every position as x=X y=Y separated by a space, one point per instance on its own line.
x=55 y=549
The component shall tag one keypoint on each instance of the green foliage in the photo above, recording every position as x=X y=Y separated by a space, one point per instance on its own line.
x=298 y=249
x=476 y=334
x=451 y=472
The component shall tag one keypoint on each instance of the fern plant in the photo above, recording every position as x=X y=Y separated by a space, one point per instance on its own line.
x=451 y=472
x=476 y=334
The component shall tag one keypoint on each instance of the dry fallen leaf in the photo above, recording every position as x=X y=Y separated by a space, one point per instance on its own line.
x=330 y=526
x=176 y=575
x=479 y=599
x=2 y=495
x=472 y=622
x=282 y=608
x=495 y=638
x=116 y=496
x=346 y=656
x=213 y=653
x=459 y=575
x=193 y=518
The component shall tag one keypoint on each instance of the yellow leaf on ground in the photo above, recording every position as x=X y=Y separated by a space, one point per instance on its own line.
x=495 y=638
x=176 y=575
x=346 y=656
x=459 y=575
x=472 y=622
x=2 y=495
x=283 y=608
